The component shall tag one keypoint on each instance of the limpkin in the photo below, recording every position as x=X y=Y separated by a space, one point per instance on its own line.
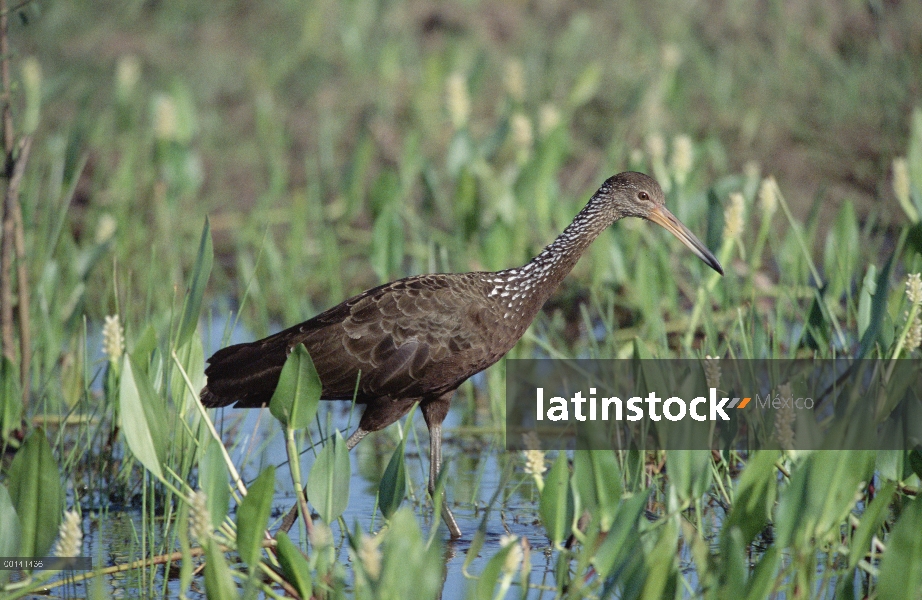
x=419 y=338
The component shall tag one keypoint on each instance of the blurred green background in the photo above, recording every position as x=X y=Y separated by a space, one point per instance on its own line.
x=297 y=125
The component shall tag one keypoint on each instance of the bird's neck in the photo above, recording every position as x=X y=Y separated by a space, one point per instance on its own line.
x=540 y=277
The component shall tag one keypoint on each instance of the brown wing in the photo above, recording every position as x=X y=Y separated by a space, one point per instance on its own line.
x=415 y=337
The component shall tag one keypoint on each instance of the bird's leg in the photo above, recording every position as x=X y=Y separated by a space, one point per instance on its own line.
x=434 y=412
x=355 y=438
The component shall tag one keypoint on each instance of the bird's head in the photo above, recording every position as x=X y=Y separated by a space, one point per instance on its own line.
x=631 y=194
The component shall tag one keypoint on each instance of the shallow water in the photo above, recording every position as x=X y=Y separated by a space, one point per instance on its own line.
x=475 y=466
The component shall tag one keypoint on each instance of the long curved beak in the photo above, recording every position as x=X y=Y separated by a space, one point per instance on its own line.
x=661 y=216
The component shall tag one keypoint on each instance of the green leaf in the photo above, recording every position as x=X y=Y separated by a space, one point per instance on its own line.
x=219 y=584
x=192 y=358
x=200 y=275
x=689 y=473
x=297 y=395
x=865 y=296
x=144 y=346
x=556 y=505
x=762 y=582
x=185 y=548
x=295 y=567
x=393 y=486
x=900 y=575
x=387 y=241
x=253 y=517
x=140 y=417
x=328 y=483
x=37 y=495
x=915 y=461
x=597 y=480
x=213 y=480
x=492 y=573
x=820 y=495
x=878 y=310
x=10 y=400
x=733 y=563
x=410 y=568
x=619 y=545
x=12 y=532
x=661 y=565
x=755 y=495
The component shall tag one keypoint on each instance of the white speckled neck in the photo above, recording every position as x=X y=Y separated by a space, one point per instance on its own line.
x=526 y=288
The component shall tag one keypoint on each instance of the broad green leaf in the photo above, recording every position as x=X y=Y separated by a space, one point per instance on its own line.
x=297 y=395
x=37 y=494
x=820 y=495
x=140 y=417
x=410 y=568
x=900 y=575
x=474 y=550
x=200 y=275
x=865 y=296
x=661 y=565
x=556 y=505
x=618 y=546
x=689 y=473
x=144 y=347
x=328 y=483
x=597 y=480
x=10 y=531
x=295 y=567
x=393 y=486
x=878 y=310
x=733 y=563
x=253 y=517
x=213 y=479
x=492 y=573
x=219 y=584
x=755 y=495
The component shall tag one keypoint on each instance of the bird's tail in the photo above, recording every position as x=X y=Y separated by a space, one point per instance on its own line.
x=245 y=374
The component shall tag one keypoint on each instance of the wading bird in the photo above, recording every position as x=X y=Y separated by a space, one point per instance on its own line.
x=419 y=338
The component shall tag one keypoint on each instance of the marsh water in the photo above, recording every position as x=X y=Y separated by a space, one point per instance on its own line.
x=475 y=458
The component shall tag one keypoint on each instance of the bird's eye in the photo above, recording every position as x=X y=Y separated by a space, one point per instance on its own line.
x=643 y=196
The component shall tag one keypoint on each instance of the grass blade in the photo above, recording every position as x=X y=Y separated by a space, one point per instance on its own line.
x=37 y=495
x=556 y=505
x=295 y=567
x=899 y=568
x=213 y=477
x=200 y=275
x=219 y=584
x=253 y=516
x=328 y=482
x=393 y=486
